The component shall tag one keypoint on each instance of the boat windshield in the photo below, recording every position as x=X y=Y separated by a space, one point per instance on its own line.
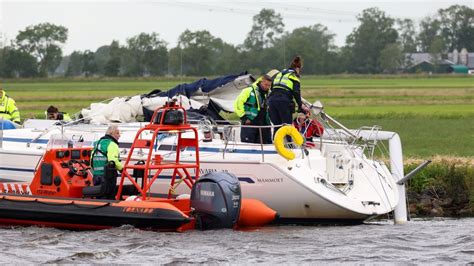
x=71 y=140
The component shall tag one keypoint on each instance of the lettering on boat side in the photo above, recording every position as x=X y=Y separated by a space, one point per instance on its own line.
x=207 y=193
x=270 y=180
x=137 y=210
x=45 y=192
x=207 y=171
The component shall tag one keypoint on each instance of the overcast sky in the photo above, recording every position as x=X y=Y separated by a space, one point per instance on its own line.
x=92 y=24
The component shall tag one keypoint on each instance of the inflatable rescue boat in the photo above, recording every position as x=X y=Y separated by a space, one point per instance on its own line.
x=62 y=193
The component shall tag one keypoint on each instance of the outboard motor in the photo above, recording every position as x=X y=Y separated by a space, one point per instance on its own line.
x=216 y=200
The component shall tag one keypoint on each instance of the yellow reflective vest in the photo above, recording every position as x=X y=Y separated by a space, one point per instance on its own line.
x=8 y=110
x=285 y=80
x=288 y=81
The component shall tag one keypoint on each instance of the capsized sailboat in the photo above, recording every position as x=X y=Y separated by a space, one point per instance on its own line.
x=335 y=180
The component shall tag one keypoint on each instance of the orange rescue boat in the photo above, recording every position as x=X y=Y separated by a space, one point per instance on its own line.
x=61 y=193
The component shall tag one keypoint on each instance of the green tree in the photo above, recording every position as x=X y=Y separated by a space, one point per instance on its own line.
x=314 y=43
x=74 y=68
x=227 y=59
x=368 y=40
x=113 y=64
x=101 y=56
x=17 y=63
x=391 y=58
x=52 y=59
x=196 y=53
x=407 y=35
x=147 y=54
x=43 y=42
x=430 y=28
x=267 y=27
x=175 y=65
x=457 y=27
x=89 y=66
x=436 y=49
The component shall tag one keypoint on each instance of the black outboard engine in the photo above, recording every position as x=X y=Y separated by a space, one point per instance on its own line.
x=216 y=200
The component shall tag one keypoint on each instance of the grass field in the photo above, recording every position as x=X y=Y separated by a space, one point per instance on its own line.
x=434 y=115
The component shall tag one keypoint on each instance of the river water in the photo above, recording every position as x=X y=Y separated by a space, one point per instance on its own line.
x=437 y=241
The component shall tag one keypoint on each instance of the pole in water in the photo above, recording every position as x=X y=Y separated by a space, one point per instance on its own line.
x=413 y=172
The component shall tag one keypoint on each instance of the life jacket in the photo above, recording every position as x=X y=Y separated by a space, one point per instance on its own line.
x=284 y=80
x=8 y=110
x=64 y=116
x=99 y=155
x=252 y=100
x=309 y=128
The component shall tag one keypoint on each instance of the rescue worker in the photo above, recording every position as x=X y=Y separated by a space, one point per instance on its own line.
x=106 y=150
x=8 y=109
x=52 y=113
x=286 y=95
x=251 y=107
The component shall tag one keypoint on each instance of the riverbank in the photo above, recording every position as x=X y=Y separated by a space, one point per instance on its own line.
x=445 y=188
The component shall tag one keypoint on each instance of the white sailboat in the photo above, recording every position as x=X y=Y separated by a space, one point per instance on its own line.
x=338 y=180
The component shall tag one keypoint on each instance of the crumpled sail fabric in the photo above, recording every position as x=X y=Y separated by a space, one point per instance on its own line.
x=221 y=91
x=123 y=109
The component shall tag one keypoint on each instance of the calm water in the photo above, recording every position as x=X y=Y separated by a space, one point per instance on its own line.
x=436 y=241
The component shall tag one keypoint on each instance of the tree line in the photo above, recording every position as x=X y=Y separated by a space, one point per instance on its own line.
x=377 y=45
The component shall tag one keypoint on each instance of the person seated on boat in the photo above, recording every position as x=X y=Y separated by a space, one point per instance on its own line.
x=105 y=150
x=308 y=127
x=8 y=109
x=52 y=113
x=251 y=107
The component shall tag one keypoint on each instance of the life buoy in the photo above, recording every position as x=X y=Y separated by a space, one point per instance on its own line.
x=280 y=143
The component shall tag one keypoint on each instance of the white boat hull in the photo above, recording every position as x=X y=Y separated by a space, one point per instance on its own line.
x=318 y=187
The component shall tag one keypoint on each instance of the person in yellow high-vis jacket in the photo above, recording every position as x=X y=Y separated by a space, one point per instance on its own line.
x=286 y=94
x=251 y=107
x=8 y=109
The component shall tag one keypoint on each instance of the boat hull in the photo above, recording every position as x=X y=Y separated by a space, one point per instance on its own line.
x=292 y=201
x=88 y=214
x=294 y=189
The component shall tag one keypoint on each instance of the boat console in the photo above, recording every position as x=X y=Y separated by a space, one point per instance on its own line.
x=63 y=172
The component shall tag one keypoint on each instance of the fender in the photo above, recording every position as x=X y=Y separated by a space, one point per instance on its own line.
x=280 y=143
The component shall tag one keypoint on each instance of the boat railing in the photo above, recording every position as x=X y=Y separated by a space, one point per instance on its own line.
x=227 y=132
x=335 y=133
x=371 y=141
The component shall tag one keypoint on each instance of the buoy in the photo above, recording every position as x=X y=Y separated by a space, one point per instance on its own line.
x=280 y=143
x=254 y=213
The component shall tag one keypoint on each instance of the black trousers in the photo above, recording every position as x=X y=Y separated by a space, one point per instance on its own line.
x=252 y=135
x=281 y=112
x=109 y=185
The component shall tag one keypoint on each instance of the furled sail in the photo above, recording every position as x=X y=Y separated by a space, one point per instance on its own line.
x=206 y=96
